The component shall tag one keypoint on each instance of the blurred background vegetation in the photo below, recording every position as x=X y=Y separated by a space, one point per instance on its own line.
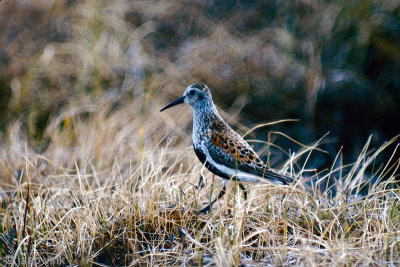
x=335 y=65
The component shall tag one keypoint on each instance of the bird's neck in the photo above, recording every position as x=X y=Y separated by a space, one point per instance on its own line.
x=202 y=119
x=203 y=113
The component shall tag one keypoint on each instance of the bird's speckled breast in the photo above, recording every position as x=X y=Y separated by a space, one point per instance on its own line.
x=201 y=126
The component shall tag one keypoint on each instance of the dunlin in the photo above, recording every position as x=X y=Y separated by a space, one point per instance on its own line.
x=223 y=151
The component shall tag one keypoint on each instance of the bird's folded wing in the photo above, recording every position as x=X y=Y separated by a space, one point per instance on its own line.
x=229 y=149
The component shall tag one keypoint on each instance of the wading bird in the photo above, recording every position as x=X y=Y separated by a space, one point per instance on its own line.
x=223 y=151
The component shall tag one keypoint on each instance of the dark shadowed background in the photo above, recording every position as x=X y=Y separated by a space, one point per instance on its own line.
x=334 y=65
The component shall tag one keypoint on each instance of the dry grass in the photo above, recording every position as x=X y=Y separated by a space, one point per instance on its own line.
x=113 y=187
x=108 y=180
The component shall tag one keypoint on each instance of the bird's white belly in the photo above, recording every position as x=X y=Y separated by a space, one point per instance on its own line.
x=233 y=173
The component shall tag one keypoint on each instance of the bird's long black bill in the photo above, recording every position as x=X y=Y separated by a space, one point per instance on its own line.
x=174 y=103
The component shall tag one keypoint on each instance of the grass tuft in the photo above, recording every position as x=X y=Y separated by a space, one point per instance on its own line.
x=90 y=198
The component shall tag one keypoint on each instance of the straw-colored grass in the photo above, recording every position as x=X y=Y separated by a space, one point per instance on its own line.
x=116 y=186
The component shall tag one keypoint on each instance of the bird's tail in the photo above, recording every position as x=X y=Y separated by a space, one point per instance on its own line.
x=277 y=178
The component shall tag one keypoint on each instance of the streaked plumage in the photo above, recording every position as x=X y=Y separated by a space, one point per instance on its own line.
x=223 y=151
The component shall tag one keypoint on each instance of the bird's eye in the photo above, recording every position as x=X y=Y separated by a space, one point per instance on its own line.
x=191 y=92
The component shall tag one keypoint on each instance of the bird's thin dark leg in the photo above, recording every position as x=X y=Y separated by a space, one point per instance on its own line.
x=283 y=198
x=208 y=207
x=201 y=183
x=241 y=186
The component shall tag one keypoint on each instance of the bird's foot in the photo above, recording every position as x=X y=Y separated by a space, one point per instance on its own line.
x=206 y=209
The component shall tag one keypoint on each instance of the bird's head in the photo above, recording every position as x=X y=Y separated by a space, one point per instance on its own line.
x=196 y=95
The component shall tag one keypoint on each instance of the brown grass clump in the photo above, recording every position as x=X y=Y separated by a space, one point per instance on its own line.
x=112 y=187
